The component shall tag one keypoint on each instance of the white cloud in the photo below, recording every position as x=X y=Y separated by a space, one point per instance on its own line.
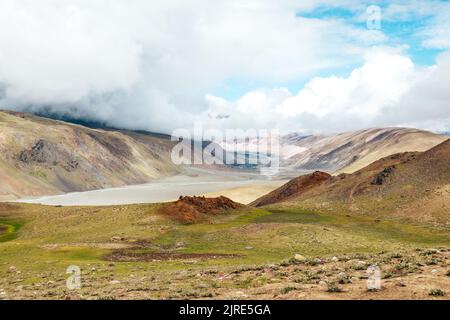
x=386 y=90
x=148 y=64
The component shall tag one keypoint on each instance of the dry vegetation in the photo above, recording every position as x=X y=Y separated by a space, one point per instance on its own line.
x=137 y=252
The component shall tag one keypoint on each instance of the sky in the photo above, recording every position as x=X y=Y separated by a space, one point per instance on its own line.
x=306 y=66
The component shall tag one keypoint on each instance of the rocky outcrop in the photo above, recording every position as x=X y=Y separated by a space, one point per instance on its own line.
x=381 y=178
x=47 y=153
x=197 y=209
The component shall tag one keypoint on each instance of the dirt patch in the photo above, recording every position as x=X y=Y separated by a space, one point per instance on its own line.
x=3 y=229
x=127 y=256
x=197 y=209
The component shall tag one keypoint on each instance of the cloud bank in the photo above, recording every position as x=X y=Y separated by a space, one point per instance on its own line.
x=155 y=65
x=387 y=90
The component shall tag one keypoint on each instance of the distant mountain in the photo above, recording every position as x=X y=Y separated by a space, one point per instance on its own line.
x=351 y=151
x=339 y=153
x=411 y=185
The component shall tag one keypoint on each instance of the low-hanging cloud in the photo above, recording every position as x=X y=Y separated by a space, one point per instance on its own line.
x=154 y=64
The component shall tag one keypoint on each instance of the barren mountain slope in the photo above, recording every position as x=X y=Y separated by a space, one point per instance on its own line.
x=351 y=151
x=409 y=185
x=39 y=156
x=293 y=188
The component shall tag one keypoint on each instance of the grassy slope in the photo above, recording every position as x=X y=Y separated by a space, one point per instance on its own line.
x=52 y=238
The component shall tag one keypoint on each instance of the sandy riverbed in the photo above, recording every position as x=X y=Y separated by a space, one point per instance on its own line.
x=243 y=188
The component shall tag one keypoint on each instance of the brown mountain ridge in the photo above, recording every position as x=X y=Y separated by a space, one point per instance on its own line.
x=411 y=185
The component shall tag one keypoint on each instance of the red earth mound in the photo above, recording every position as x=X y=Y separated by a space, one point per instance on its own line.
x=292 y=188
x=197 y=209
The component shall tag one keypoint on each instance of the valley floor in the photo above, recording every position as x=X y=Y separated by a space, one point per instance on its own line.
x=239 y=186
x=133 y=252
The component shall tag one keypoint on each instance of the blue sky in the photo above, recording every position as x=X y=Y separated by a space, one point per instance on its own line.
x=405 y=31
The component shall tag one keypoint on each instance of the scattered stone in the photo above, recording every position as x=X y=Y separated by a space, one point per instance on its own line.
x=344 y=278
x=12 y=269
x=317 y=261
x=116 y=238
x=334 y=259
x=299 y=257
x=248 y=248
x=114 y=282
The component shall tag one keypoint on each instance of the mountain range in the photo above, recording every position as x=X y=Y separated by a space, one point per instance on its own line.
x=43 y=156
x=351 y=151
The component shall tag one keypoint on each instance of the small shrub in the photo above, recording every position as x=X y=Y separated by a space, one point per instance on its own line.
x=300 y=279
x=281 y=274
x=448 y=273
x=287 y=289
x=359 y=266
x=313 y=262
x=332 y=287
x=406 y=267
x=437 y=293
x=207 y=295
x=429 y=252
x=431 y=262
x=396 y=255
x=285 y=264
x=344 y=279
